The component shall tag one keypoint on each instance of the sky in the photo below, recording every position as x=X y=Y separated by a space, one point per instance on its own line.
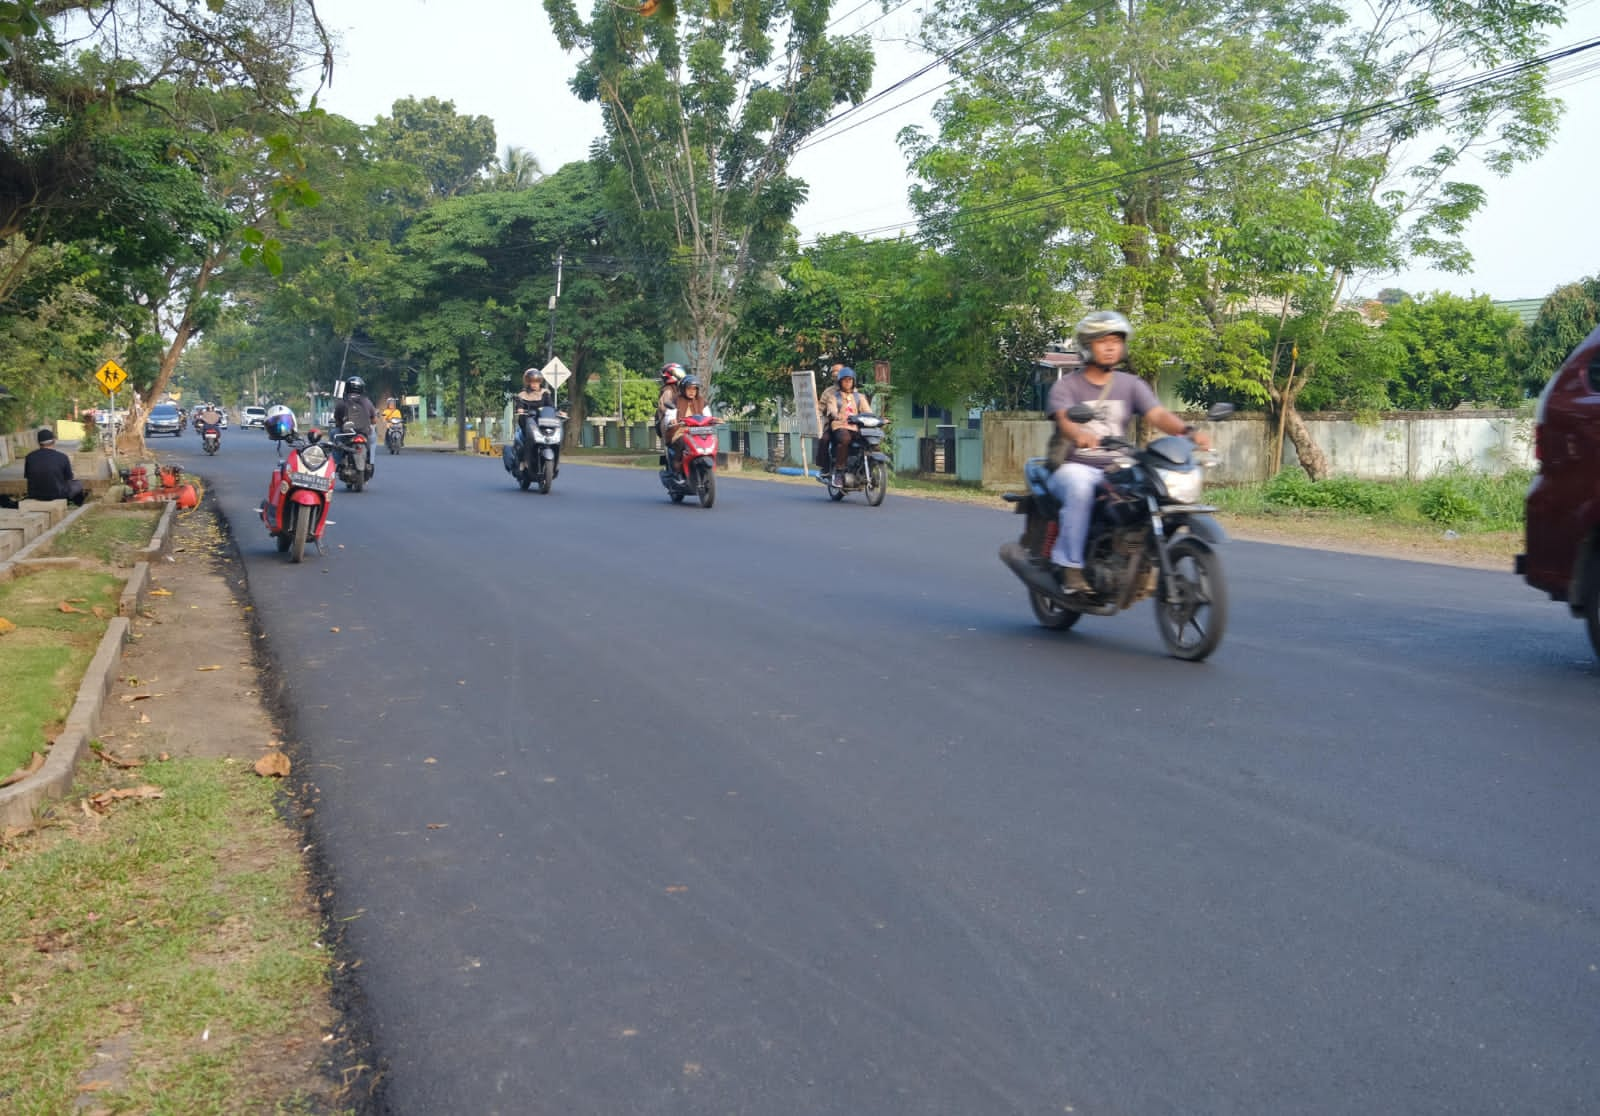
x=498 y=58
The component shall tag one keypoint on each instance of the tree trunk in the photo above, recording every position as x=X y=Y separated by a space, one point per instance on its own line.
x=1312 y=459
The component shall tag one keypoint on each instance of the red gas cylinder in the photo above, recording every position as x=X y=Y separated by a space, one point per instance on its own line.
x=138 y=479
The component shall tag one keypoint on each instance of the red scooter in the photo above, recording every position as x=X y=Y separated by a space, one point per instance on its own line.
x=693 y=467
x=296 y=507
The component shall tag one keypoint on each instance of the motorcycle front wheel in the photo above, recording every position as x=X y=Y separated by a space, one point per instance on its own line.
x=302 y=531
x=1192 y=607
x=877 y=482
x=705 y=487
x=547 y=478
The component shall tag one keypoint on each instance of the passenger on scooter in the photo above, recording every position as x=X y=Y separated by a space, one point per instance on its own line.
x=670 y=375
x=1102 y=339
x=688 y=401
x=839 y=403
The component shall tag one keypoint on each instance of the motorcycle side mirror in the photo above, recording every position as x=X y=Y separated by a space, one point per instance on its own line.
x=1219 y=411
x=313 y=436
x=1080 y=413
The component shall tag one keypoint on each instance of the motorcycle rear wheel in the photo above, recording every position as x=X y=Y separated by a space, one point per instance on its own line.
x=1192 y=609
x=524 y=481
x=282 y=539
x=1050 y=614
x=676 y=497
x=302 y=531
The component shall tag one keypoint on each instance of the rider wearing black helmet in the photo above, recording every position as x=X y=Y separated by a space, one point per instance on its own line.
x=1102 y=338
x=355 y=407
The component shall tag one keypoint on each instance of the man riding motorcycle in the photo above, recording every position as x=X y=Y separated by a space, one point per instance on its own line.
x=207 y=416
x=838 y=404
x=360 y=412
x=1102 y=339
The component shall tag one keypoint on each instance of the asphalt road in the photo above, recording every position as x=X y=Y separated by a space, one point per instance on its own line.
x=789 y=807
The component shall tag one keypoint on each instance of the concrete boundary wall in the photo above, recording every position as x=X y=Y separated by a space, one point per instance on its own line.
x=1408 y=446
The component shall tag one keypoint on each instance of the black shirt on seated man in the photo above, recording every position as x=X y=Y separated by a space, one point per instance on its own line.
x=49 y=472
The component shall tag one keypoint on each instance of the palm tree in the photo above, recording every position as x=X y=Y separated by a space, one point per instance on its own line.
x=517 y=170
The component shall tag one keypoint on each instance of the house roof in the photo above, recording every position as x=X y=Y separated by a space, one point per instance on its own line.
x=1525 y=308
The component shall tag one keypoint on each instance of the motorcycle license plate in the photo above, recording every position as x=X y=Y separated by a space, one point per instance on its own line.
x=314 y=481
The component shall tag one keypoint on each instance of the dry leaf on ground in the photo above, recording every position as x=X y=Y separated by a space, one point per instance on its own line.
x=65 y=607
x=103 y=801
x=22 y=773
x=6 y=626
x=208 y=668
x=273 y=764
x=161 y=592
x=117 y=761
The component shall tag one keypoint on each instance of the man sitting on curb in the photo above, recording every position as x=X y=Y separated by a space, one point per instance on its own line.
x=49 y=472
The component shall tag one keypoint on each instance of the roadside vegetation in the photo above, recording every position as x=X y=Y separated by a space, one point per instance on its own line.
x=111 y=534
x=51 y=622
x=1460 y=501
x=162 y=954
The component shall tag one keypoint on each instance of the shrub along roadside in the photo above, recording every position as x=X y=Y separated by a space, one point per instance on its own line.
x=1460 y=500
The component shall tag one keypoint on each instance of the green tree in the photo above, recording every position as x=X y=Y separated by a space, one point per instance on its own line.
x=704 y=107
x=1456 y=351
x=1188 y=162
x=467 y=296
x=449 y=151
x=1566 y=317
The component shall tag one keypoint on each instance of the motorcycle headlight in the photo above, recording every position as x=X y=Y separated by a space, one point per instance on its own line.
x=1183 y=487
x=313 y=457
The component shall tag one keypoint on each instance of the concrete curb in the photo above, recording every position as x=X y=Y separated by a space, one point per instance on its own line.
x=8 y=568
x=18 y=801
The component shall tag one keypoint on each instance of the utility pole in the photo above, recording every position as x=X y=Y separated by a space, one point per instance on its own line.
x=550 y=347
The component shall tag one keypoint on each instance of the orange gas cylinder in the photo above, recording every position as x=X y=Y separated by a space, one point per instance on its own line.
x=187 y=497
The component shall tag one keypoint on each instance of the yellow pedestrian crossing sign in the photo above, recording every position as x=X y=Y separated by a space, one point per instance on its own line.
x=110 y=375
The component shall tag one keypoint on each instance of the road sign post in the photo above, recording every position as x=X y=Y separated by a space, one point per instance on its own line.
x=110 y=377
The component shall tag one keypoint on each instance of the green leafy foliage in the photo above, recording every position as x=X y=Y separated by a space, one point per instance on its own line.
x=1456 y=350
x=705 y=105
x=1292 y=488
x=1567 y=317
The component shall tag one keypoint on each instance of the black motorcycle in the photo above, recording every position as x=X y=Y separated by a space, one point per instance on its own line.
x=394 y=435
x=210 y=438
x=1149 y=535
x=352 y=457
x=535 y=458
x=865 y=467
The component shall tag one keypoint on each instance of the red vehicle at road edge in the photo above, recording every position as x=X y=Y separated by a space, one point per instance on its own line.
x=1563 y=508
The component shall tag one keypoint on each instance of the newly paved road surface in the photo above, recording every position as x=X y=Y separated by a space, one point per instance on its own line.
x=789 y=807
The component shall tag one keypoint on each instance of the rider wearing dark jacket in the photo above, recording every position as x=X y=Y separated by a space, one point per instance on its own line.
x=355 y=407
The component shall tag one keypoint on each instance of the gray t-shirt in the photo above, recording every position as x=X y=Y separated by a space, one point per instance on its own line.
x=1115 y=406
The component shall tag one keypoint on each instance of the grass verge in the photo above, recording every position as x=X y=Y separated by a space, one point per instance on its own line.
x=115 y=538
x=54 y=621
x=163 y=953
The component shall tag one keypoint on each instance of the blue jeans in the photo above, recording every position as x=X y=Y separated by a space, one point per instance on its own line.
x=1073 y=484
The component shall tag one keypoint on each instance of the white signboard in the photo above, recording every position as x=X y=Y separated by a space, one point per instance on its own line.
x=807 y=421
x=556 y=373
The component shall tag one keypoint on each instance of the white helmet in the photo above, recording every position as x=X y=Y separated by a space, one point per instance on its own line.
x=1099 y=323
x=279 y=423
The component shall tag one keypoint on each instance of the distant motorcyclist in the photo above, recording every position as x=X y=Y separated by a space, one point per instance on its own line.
x=208 y=418
x=391 y=413
x=534 y=397
x=1102 y=339
x=838 y=405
